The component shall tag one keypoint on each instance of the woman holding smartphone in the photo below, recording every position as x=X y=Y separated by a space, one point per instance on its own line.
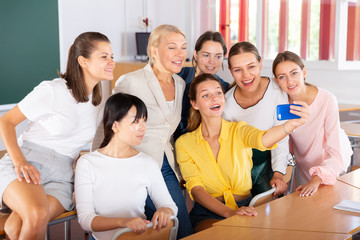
x=161 y=89
x=215 y=155
x=253 y=98
x=326 y=151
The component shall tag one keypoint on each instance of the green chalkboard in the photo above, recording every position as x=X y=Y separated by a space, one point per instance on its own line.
x=29 y=46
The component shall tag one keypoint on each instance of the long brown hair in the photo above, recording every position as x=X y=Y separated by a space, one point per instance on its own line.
x=84 y=45
x=195 y=116
x=287 y=56
x=242 y=47
x=291 y=57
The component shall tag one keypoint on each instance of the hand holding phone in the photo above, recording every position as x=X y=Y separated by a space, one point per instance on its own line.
x=283 y=112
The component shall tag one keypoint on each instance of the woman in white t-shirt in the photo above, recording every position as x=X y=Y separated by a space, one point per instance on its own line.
x=112 y=183
x=36 y=175
x=253 y=98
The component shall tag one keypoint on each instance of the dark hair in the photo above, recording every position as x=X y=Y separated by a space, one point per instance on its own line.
x=287 y=56
x=116 y=108
x=243 y=47
x=209 y=36
x=195 y=117
x=84 y=45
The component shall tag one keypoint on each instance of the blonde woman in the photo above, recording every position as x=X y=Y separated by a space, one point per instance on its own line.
x=162 y=91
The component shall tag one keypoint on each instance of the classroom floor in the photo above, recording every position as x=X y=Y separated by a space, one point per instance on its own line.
x=57 y=232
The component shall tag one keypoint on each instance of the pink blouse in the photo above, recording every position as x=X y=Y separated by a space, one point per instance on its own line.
x=320 y=146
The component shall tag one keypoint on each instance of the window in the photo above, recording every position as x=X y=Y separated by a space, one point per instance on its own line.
x=315 y=29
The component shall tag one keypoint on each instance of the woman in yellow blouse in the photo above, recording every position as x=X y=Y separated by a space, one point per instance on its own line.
x=215 y=156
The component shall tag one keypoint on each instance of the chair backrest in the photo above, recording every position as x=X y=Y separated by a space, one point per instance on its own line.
x=168 y=233
x=2 y=153
x=262 y=198
x=290 y=171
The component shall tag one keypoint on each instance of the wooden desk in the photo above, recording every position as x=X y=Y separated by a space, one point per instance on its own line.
x=351 y=178
x=122 y=68
x=309 y=214
x=233 y=233
x=351 y=129
x=348 y=107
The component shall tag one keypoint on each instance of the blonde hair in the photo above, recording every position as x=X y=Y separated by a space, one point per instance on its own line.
x=159 y=33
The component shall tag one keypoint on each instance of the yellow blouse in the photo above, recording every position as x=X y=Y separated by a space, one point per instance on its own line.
x=231 y=172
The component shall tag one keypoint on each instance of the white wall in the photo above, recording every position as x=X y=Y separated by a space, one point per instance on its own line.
x=118 y=19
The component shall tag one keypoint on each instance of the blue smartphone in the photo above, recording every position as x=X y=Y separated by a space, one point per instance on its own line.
x=283 y=112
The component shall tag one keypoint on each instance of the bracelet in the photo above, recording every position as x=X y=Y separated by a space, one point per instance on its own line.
x=287 y=133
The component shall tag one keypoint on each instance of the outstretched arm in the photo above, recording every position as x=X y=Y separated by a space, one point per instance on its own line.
x=275 y=134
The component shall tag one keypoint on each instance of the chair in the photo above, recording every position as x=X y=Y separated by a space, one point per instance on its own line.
x=262 y=198
x=290 y=172
x=169 y=232
x=3 y=217
x=65 y=218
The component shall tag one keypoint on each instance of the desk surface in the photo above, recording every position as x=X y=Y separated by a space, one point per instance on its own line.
x=226 y=232
x=351 y=129
x=351 y=178
x=348 y=107
x=314 y=213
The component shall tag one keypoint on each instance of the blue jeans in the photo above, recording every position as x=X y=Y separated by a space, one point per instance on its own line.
x=200 y=213
x=185 y=228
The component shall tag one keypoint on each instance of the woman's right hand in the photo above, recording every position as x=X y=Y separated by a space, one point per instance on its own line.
x=302 y=112
x=244 y=210
x=137 y=224
x=30 y=173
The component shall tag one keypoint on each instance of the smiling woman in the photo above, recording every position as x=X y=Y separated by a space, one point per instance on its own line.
x=158 y=85
x=253 y=98
x=326 y=152
x=215 y=156
x=63 y=114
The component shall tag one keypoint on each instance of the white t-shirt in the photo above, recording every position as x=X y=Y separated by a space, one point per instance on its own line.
x=117 y=187
x=56 y=120
x=263 y=116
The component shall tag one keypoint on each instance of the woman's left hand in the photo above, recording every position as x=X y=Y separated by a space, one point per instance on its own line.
x=278 y=182
x=162 y=216
x=310 y=188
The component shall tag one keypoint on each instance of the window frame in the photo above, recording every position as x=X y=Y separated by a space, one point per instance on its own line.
x=339 y=62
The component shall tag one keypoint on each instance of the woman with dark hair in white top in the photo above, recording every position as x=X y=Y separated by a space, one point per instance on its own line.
x=113 y=182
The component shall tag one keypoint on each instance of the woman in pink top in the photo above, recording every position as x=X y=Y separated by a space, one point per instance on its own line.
x=321 y=148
